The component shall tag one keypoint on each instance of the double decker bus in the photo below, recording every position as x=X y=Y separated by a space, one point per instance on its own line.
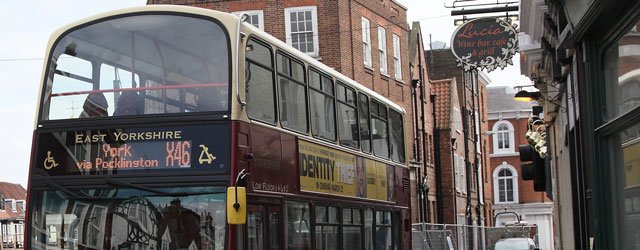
x=172 y=127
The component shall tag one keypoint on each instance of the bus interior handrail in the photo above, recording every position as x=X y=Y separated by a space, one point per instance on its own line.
x=206 y=85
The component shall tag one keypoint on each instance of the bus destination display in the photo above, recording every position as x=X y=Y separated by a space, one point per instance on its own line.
x=114 y=150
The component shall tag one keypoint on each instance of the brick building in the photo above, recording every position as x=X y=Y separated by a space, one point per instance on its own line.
x=346 y=35
x=450 y=171
x=423 y=143
x=471 y=97
x=12 y=214
x=508 y=120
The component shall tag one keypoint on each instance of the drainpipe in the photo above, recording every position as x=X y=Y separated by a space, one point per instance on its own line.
x=476 y=167
x=425 y=174
x=465 y=130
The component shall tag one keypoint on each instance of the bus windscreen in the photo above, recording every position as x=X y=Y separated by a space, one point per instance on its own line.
x=124 y=218
x=138 y=65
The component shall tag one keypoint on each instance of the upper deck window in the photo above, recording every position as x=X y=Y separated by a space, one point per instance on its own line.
x=136 y=65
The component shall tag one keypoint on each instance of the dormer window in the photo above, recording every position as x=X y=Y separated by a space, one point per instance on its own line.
x=13 y=204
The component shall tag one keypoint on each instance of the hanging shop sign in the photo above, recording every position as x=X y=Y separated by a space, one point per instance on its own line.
x=485 y=43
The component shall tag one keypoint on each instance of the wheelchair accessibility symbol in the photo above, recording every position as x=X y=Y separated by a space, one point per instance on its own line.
x=205 y=156
x=49 y=162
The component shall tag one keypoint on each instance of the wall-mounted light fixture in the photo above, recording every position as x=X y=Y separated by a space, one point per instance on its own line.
x=526 y=96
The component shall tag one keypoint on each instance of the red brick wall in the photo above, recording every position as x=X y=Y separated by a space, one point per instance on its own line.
x=525 y=188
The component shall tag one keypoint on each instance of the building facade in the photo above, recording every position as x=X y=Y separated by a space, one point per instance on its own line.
x=471 y=96
x=583 y=57
x=509 y=122
x=12 y=207
x=423 y=141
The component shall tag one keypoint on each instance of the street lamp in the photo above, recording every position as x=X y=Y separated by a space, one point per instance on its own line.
x=526 y=96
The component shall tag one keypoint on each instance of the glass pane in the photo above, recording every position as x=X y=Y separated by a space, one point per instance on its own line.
x=124 y=218
x=332 y=214
x=380 y=137
x=327 y=85
x=368 y=229
x=351 y=238
x=274 y=230
x=326 y=237
x=340 y=90
x=254 y=21
x=321 y=214
x=322 y=115
x=622 y=75
x=255 y=237
x=314 y=79
x=163 y=66
x=346 y=216
x=363 y=120
x=298 y=234
x=308 y=26
x=293 y=113
x=348 y=125
x=284 y=65
x=397 y=137
x=260 y=93
x=259 y=53
x=260 y=86
x=627 y=184
x=297 y=72
x=383 y=238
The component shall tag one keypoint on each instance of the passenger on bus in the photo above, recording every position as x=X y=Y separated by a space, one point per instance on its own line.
x=210 y=99
x=128 y=104
x=95 y=106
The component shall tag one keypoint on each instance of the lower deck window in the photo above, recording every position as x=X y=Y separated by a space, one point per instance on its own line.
x=298 y=233
x=351 y=229
x=326 y=227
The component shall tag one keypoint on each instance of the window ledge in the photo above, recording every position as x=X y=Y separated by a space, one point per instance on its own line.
x=399 y=81
x=504 y=154
x=506 y=203
x=368 y=68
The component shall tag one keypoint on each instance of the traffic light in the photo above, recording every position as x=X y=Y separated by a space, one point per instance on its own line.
x=533 y=167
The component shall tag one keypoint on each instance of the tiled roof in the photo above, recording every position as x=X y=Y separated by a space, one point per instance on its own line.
x=14 y=192
x=500 y=99
x=444 y=91
x=9 y=214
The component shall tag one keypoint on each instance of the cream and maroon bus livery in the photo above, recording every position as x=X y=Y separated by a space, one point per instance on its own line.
x=171 y=127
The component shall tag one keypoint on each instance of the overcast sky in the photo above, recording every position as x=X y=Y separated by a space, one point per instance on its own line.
x=25 y=29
